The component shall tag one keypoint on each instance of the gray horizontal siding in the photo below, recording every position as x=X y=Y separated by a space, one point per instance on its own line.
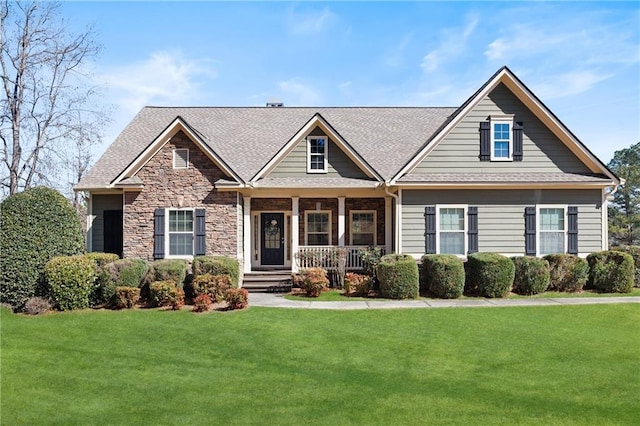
x=542 y=150
x=338 y=164
x=501 y=216
x=100 y=203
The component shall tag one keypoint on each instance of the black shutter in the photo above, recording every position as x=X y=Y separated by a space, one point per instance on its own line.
x=517 y=141
x=200 y=248
x=158 y=234
x=472 y=232
x=572 y=232
x=430 y=229
x=530 y=231
x=485 y=141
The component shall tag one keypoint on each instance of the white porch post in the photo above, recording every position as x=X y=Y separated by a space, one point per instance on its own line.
x=341 y=221
x=295 y=231
x=246 y=226
x=388 y=225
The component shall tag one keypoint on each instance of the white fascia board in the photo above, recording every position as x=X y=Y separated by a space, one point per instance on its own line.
x=162 y=139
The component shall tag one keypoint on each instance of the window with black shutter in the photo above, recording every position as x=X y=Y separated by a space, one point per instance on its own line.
x=158 y=234
x=530 y=231
x=472 y=232
x=430 y=229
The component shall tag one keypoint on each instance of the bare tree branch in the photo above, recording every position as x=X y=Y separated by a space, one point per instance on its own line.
x=47 y=115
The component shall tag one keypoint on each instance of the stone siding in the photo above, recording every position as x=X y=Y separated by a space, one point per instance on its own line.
x=271 y=204
x=193 y=187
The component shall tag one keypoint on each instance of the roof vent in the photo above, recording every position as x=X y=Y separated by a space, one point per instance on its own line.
x=274 y=103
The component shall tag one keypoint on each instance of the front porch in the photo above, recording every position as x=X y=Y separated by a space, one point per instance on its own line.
x=288 y=234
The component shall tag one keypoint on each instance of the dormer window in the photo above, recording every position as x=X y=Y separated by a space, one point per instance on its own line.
x=501 y=138
x=317 y=147
x=180 y=158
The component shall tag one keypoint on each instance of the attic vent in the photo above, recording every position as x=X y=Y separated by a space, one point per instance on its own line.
x=274 y=103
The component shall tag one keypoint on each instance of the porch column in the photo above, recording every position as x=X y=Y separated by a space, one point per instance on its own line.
x=341 y=221
x=246 y=226
x=295 y=231
x=388 y=225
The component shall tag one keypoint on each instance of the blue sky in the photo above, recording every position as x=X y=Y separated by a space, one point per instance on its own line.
x=582 y=59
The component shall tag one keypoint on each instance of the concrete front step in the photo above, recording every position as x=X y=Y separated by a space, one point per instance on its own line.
x=267 y=281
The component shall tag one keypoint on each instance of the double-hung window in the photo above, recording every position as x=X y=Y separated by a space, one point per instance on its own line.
x=452 y=230
x=552 y=230
x=317 y=147
x=501 y=138
x=363 y=228
x=318 y=228
x=180 y=232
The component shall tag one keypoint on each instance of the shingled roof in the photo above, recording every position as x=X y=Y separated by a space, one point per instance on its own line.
x=247 y=138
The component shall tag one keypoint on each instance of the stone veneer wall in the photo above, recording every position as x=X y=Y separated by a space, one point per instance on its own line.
x=193 y=187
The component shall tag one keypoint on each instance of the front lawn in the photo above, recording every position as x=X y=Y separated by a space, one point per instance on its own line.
x=525 y=365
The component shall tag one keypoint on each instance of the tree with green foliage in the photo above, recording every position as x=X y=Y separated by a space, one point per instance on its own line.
x=624 y=209
x=35 y=226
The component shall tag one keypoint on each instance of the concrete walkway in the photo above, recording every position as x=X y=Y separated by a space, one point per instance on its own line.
x=277 y=300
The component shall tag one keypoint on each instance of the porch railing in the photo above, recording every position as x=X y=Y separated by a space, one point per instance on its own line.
x=325 y=257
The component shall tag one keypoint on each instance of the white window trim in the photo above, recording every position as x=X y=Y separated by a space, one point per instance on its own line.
x=465 y=208
x=501 y=119
x=175 y=156
x=306 y=225
x=167 y=233
x=326 y=154
x=566 y=225
x=375 y=225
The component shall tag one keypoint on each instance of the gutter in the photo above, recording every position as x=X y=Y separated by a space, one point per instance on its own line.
x=396 y=223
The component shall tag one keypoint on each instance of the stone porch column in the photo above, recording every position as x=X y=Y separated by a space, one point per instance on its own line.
x=246 y=226
x=341 y=221
x=295 y=232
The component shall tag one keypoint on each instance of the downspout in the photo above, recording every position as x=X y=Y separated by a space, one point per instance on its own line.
x=396 y=222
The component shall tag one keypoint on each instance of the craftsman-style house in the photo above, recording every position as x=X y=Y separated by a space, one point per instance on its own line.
x=500 y=173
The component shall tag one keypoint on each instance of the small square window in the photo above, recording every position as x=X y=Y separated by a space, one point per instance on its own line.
x=180 y=158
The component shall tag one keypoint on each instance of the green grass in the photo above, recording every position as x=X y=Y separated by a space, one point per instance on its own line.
x=336 y=295
x=528 y=365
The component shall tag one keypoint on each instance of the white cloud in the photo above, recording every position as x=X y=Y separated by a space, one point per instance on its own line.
x=164 y=78
x=453 y=43
x=395 y=56
x=303 y=94
x=568 y=84
x=310 y=22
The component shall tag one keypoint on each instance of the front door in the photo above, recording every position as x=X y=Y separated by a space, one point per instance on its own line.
x=272 y=241
x=112 y=232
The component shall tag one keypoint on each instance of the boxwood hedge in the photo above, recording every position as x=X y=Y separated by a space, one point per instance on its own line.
x=489 y=274
x=531 y=275
x=35 y=226
x=442 y=275
x=398 y=276
x=611 y=271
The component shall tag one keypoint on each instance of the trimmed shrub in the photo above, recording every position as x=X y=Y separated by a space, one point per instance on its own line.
x=201 y=303
x=567 y=272
x=69 y=280
x=442 y=275
x=126 y=297
x=611 y=271
x=237 y=298
x=35 y=226
x=314 y=280
x=168 y=270
x=489 y=274
x=634 y=251
x=166 y=293
x=217 y=265
x=370 y=258
x=37 y=306
x=532 y=275
x=357 y=284
x=398 y=276
x=120 y=273
x=102 y=259
x=213 y=286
